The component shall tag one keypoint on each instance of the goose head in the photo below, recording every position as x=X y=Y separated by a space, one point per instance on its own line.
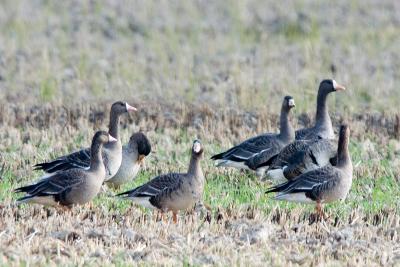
x=140 y=144
x=121 y=107
x=288 y=103
x=197 y=148
x=102 y=137
x=329 y=86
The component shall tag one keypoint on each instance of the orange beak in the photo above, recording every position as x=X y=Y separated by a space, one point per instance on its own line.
x=339 y=87
x=130 y=108
x=141 y=159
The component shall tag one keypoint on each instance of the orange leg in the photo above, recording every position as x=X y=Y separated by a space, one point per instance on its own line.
x=64 y=208
x=90 y=205
x=160 y=216
x=320 y=211
x=174 y=217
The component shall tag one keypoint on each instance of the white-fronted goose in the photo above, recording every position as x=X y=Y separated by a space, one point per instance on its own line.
x=133 y=155
x=323 y=185
x=255 y=153
x=112 y=152
x=302 y=156
x=73 y=186
x=173 y=191
x=323 y=124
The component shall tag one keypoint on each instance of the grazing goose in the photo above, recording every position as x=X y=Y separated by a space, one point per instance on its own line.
x=323 y=124
x=112 y=152
x=302 y=156
x=323 y=185
x=275 y=170
x=256 y=153
x=173 y=191
x=72 y=186
x=133 y=156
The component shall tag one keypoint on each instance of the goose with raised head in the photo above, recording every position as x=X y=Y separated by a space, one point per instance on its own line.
x=256 y=153
x=112 y=152
x=73 y=186
x=133 y=156
x=173 y=191
x=323 y=124
x=323 y=185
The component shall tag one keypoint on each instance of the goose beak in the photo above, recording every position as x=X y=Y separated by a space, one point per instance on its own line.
x=141 y=159
x=130 y=108
x=291 y=103
x=338 y=87
x=111 y=139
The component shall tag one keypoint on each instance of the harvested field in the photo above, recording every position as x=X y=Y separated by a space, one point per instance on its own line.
x=244 y=226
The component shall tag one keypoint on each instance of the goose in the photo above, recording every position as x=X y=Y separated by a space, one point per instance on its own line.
x=112 y=152
x=133 y=156
x=172 y=191
x=73 y=186
x=275 y=170
x=255 y=153
x=323 y=124
x=302 y=156
x=323 y=185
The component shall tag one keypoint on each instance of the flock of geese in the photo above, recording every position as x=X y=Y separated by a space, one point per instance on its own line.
x=311 y=166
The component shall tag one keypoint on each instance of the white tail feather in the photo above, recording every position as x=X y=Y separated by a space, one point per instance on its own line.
x=295 y=197
x=233 y=164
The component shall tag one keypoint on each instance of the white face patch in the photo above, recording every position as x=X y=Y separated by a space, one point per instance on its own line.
x=291 y=103
x=196 y=147
x=334 y=84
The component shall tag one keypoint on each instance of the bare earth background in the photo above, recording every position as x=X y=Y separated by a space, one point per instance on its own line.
x=215 y=70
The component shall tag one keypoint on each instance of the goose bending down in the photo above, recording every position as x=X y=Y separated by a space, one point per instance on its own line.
x=323 y=124
x=323 y=185
x=256 y=153
x=302 y=156
x=172 y=191
x=72 y=186
x=112 y=152
x=133 y=156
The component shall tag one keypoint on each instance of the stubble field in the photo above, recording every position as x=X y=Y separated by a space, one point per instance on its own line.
x=216 y=71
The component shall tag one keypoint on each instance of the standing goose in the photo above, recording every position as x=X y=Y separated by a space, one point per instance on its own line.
x=302 y=156
x=256 y=153
x=323 y=185
x=133 y=156
x=112 y=152
x=173 y=191
x=72 y=186
x=323 y=124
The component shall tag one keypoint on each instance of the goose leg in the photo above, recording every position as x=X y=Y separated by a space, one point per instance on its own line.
x=89 y=206
x=320 y=211
x=174 y=217
x=160 y=216
x=63 y=208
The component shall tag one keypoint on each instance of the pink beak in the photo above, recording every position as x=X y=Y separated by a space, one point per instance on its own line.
x=130 y=108
x=111 y=139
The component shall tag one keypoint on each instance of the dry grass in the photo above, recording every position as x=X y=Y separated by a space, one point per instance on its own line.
x=245 y=226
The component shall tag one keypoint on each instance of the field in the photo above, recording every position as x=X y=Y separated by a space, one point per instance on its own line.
x=213 y=70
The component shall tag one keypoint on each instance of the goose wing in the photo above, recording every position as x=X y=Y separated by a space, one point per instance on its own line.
x=313 y=183
x=154 y=186
x=248 y=148
x=79 y=159
x=53 y=185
